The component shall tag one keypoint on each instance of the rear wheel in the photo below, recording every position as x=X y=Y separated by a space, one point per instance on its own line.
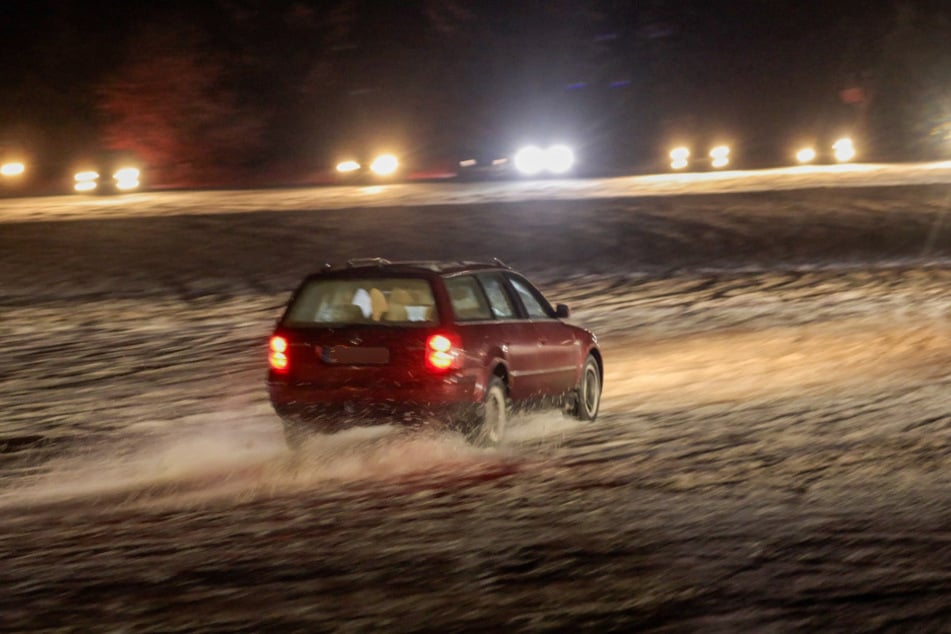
x=493 y=415
x=587 y=400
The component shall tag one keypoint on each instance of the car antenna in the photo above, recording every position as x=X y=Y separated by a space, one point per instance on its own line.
x=501 y=263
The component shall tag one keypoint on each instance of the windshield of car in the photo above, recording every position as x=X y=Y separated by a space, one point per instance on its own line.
x=385 y=301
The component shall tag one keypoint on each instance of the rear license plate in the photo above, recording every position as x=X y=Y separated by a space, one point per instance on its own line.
x=356 y=355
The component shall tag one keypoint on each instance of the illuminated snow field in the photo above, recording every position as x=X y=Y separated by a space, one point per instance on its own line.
x=773 y=451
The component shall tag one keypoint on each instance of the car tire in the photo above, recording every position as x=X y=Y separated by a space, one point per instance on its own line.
x=492 y=418
x=587 y=398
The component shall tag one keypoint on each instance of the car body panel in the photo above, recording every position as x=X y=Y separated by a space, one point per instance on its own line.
x=376 y=369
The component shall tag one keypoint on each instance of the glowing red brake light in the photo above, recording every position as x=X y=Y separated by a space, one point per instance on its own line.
x=278 y=354
x=441 y=353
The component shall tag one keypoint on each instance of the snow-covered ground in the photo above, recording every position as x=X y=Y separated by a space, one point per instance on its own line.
x=773 y=451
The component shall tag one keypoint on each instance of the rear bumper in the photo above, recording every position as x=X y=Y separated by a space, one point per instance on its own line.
x=329 y=409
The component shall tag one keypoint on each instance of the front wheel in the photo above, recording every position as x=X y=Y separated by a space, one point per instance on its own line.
x=493 y=416
x=587 y=399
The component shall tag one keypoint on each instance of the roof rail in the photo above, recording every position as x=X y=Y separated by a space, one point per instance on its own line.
x=367 y=261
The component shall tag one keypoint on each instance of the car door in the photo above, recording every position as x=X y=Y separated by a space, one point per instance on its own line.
x=556 y=354
x=486 y=315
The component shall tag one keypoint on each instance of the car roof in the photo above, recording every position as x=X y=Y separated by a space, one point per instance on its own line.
x=362 y=266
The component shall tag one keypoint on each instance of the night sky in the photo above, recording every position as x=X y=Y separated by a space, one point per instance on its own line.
x=238 y=83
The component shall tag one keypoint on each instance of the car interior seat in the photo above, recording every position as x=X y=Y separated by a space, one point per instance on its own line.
x=347 y=314
x=399 y=299
x=464 y=303
x=378 y=304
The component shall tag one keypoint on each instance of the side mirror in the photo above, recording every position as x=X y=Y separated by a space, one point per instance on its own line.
x=562 y=311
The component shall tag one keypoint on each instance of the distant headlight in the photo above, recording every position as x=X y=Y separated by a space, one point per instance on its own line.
x=720 y=156
x=127 y=178
x=12 y=169
x=385 y=165
x=679 y=154
x=127 y=173
x=86 y=181
x=345 y=167
x=844 y=150
x=806 y=155
x=679 y=157
x=530 y=160
x=559 y=159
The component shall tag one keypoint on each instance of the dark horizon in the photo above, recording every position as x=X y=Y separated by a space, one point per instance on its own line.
x=260 y=82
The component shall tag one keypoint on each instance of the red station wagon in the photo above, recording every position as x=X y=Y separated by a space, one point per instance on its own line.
x=462 y=343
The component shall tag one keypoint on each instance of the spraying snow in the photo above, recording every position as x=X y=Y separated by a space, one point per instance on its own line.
x=236 y=460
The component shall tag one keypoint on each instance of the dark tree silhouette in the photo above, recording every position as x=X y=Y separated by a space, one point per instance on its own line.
x=172 y=104
x=909 y=87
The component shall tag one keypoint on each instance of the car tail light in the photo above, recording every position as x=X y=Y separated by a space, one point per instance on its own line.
x=442 y=352
x=277 y=357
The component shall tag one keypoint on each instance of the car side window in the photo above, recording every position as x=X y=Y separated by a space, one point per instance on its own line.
x=468 y=301
x=531 y=299
x=498 y=299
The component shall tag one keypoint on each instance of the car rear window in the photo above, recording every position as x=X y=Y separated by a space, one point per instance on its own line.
x=387 y=301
